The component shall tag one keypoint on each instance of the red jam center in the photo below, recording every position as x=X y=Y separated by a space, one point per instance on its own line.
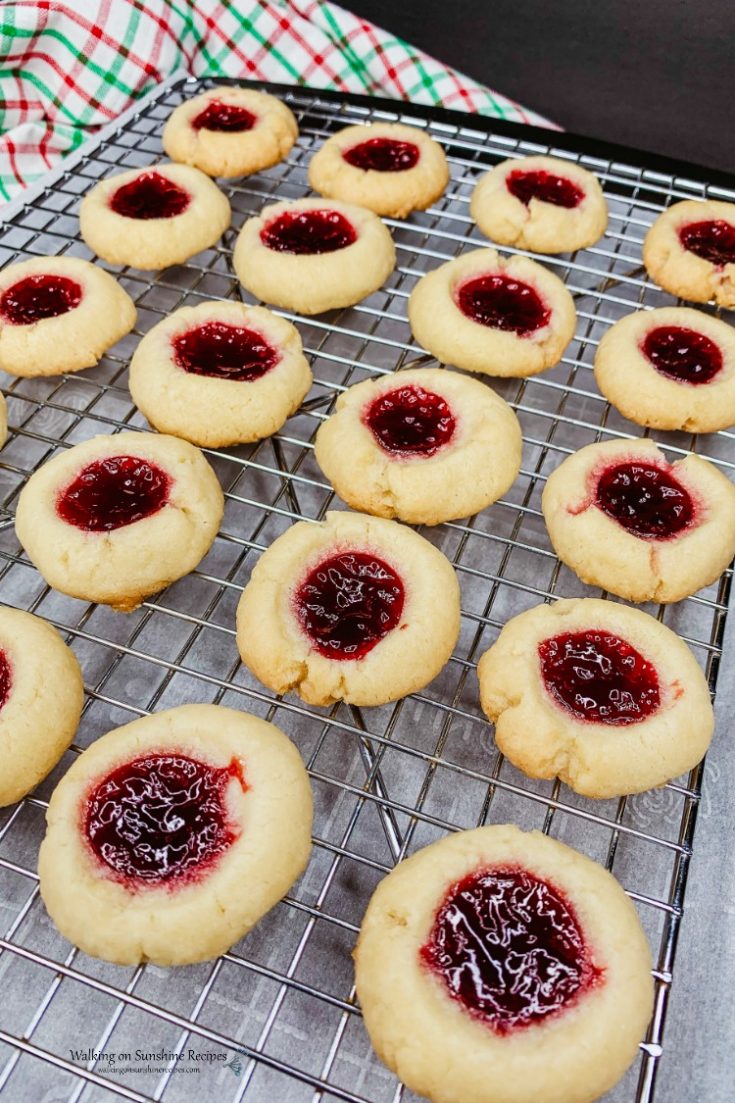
x=150 y=195
x=348 y=604
x=712 y=241
x=646 y=500
x=383 y=155
x=228 y=118
x=599 y=677
x=410 y=421
x=37 y=297
x=539 y=184
x=682 y=354
x=508 y=947
x=6 y=678
x=501 y=302
x=161 y=818
x=222 y=351
x=305 y=232
x=113 y=492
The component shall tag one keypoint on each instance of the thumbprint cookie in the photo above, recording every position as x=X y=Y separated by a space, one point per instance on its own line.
x=493 y=315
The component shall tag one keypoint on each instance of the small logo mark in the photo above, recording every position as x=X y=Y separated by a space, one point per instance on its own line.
x=236 y=1065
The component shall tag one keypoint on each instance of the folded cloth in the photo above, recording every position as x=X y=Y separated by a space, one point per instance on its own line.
x=69 y=68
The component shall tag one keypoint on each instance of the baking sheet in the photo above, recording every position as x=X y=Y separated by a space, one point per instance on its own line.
x=276 y=1019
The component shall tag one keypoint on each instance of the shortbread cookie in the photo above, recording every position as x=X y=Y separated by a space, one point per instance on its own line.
x=623 y=518
x=672 y=368
x=220 y=373
x=153 y=217
x=59 y=314
x=353 y=609
x=605 y=697
x=541 y=204
x=690 y=251
x=312 y=255
x=120 y=517
x=389 y=168
x=498 y=966
x=494 y=315
x=425 y=445
x=3 y=420
x=230 y=132
x=41 y=698
x=169 y=838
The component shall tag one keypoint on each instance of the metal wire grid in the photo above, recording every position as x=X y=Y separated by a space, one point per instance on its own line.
x=281 y=1004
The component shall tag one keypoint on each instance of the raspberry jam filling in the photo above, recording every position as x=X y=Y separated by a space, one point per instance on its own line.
x=227 y=118
x=539 y=184
x=223 y=351
x=150 y=195
x=348 y=604
x=599 y=677
x=161 y=818
x=508 y=946
x=382 y=155
x=501 y=302
x=6 y=678
x=308 y=232
x=682 y=354
x=713 y=241
x=410 y=421
x=37 y=297
x=110 y=493
x=646 y=500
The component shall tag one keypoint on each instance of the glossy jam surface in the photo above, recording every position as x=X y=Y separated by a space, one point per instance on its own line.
x=308 y=232
x=161 y=818
x=150 y=195
x=599 y=677
x=410 y=421
x=348 y=604
x=501 y=302
x=539 y=184
x=227 y=118
x=222 y=351
x=383 y=155
x=508 y=947
x=713 y=241
x=37 y=297
x=6 y=678
x=647 y=501
x=113 y=492
x=682 y=354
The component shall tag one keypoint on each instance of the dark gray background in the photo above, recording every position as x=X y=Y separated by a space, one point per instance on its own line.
x=655 y=74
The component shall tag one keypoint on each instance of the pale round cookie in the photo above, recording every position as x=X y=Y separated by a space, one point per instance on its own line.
x=679 y=531
x=220 y=373
x=230 y=132
x=424 y=445
x=353 y=609
x=529 y=315
x=119 y=517
x=499 y=966
x=690 y=251
x=390 y=168
x=41 y=698
x=3 y=420
x=672 y=368
x=169 y=838
x=312 y=255
x=540 y=203
x=602 y=696
x=153 y=217
x=59 y=314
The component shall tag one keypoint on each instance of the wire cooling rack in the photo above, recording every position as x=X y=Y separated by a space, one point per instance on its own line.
x=276 y=1019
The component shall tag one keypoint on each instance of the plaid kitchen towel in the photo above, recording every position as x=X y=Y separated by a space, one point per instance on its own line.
x=68 y=68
